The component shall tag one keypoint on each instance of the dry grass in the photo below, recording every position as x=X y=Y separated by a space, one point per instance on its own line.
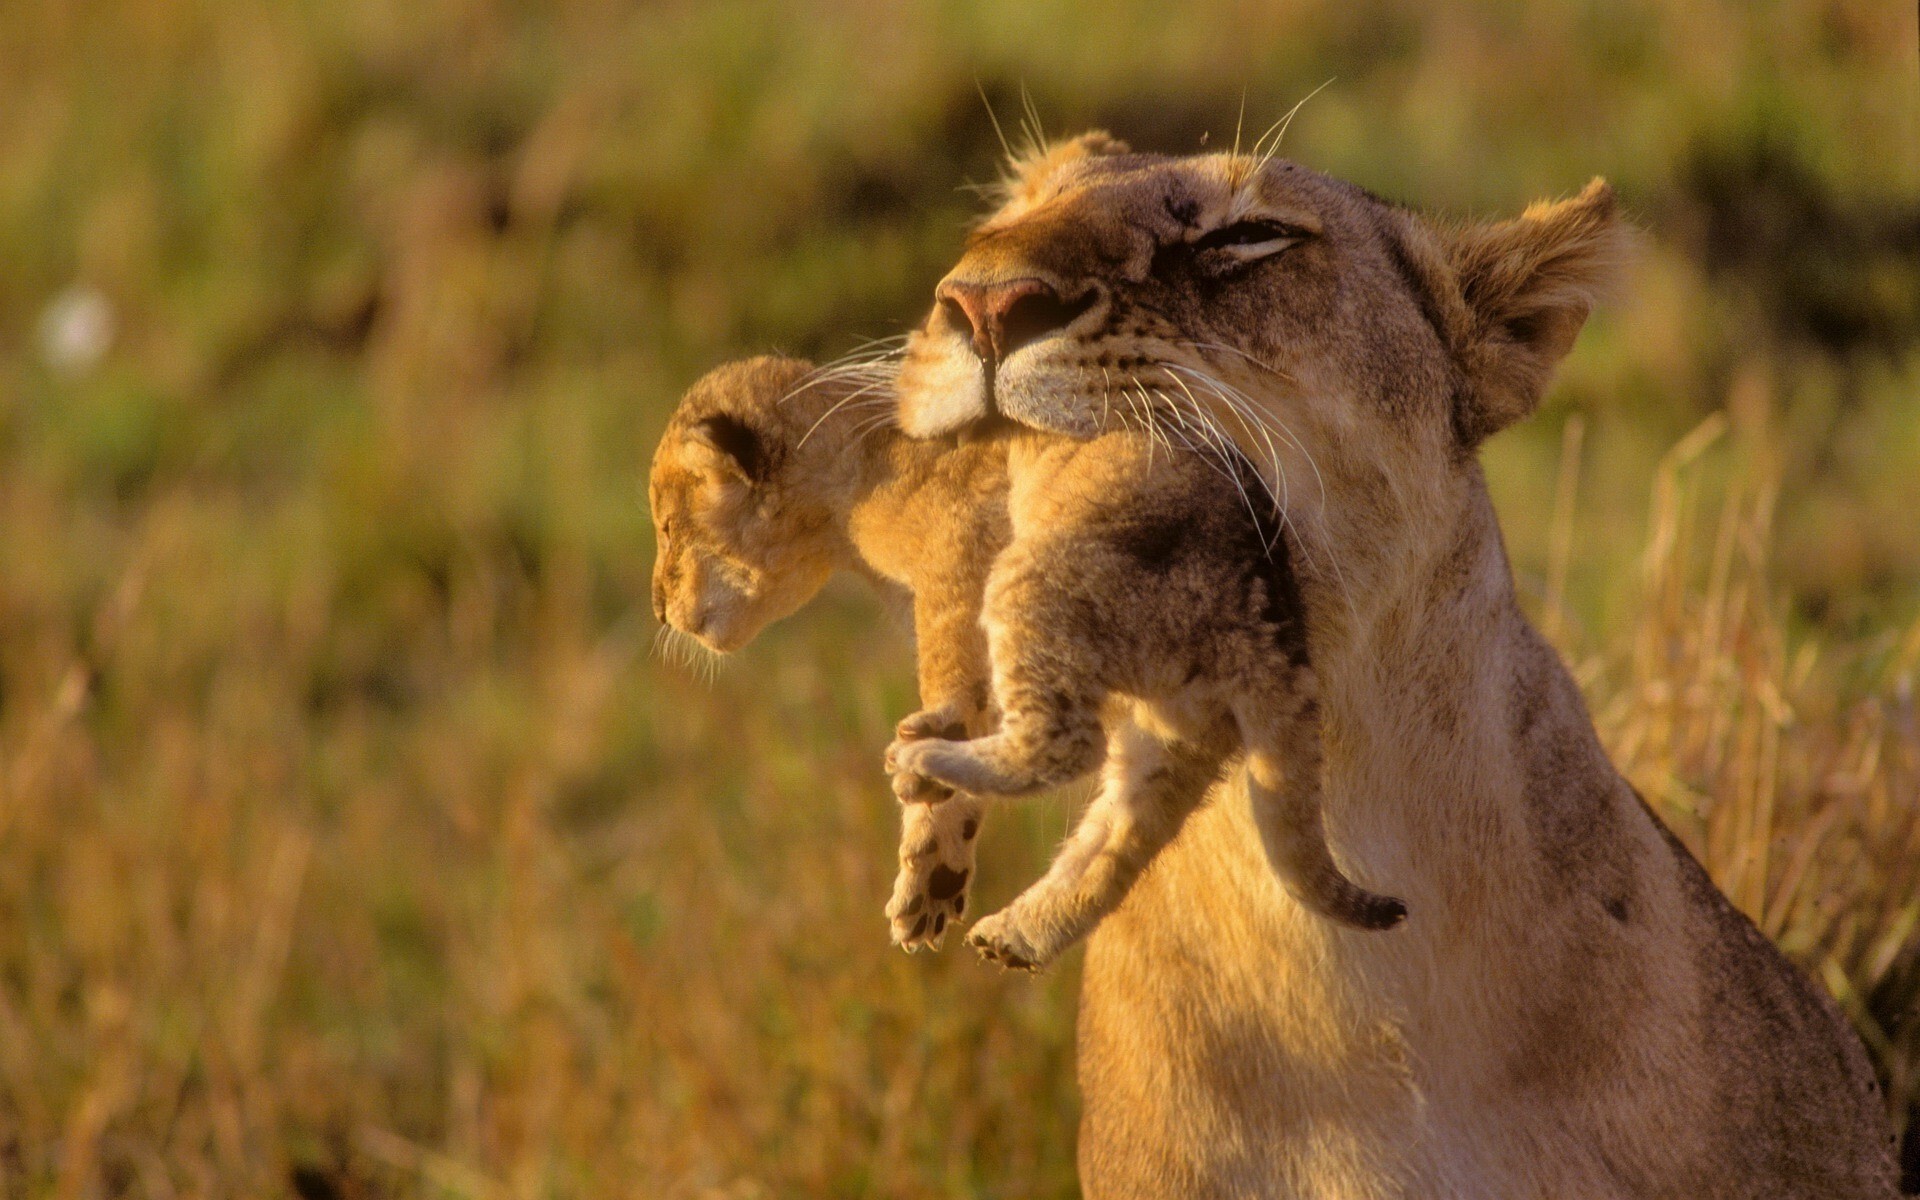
x=435 y=948
x=1790 y=767
x=354 y=840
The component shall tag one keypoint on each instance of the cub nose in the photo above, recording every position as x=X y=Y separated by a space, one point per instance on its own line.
x=1001 y=317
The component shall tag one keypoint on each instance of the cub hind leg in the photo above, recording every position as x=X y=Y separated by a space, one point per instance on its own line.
x=1148 y=788
x=1281 y=731
x=937 y=843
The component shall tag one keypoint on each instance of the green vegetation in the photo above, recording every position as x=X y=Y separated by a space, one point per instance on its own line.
x=353 y=841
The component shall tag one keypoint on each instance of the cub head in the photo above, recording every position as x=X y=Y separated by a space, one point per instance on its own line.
x=1357 y=351
x=741 y=516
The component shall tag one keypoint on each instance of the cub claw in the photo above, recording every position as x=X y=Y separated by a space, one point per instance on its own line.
x=998 y=941
x=945 y=723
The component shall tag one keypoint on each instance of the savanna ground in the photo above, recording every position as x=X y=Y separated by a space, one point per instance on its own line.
x=354 y=842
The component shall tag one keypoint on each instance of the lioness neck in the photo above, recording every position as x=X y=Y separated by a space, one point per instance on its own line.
x=1440 y=704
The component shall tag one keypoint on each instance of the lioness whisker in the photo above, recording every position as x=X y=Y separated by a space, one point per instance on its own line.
x=1244 y=406
x=1233 y=459
x=865 y=390
x=876 y=359
x=1244 y=409
x=1226 y=439
x=873 y=425
x=1153 y=426
x=1237 y=352
x=1228 y=455
x=1279 y=129
x=1253 y=429
x=874 y=379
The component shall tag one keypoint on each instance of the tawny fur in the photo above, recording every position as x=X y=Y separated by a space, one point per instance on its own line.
x=1575 y=1011
x=772 y=475
x=1144 y=588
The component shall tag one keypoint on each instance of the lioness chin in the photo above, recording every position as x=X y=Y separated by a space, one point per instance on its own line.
x=1577 y=1012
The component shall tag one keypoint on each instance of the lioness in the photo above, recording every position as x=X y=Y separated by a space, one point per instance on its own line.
x=1577 y=1011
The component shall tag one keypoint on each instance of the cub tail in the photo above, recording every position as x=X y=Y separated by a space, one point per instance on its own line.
x=1286 y=807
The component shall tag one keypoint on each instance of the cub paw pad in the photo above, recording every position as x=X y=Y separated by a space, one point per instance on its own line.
x=936 y=864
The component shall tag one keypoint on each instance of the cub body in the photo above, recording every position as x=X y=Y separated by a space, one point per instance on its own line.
x=1145 y=619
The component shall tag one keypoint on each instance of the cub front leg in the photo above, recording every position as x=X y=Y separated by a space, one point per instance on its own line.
x=1035 y=749
x=1049 y=693
x=947 y=722
x=1049 y=724
x=1049 y=734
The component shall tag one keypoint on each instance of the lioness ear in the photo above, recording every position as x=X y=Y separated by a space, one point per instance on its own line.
x=1527 y=287
x=1091 y=144
x=1031 y=169
x=735 y=443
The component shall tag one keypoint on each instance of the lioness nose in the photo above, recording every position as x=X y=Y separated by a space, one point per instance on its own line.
x=999 y=318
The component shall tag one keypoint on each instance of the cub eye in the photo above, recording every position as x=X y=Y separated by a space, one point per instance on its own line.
x=1245 y=240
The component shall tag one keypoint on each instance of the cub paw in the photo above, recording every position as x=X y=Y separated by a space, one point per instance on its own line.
x=1002 y=939
x=947 y=723
x=936 y=864
x=911 y=785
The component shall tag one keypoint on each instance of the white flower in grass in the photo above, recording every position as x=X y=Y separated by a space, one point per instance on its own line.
x=75 y=330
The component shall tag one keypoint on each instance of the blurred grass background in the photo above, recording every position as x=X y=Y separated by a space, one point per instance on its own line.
x=353 y=843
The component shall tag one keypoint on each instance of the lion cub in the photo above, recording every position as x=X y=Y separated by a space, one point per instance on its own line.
x=771 y=476
x=1140 y=588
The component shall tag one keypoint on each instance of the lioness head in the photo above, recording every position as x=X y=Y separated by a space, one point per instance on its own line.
x=743 y=529
x=1356 y=350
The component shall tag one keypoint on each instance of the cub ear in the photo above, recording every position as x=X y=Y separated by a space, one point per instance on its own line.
x=1527 y=287
x=735 y=443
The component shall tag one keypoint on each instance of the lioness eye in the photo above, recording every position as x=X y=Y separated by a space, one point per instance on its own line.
x=1249 y=238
